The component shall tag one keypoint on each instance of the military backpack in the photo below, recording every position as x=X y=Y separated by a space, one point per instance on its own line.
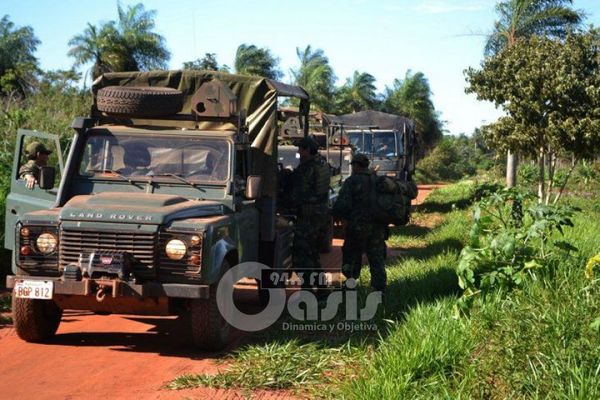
x=391 y=200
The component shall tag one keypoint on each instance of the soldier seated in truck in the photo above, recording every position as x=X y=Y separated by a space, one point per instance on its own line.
x=37 y=156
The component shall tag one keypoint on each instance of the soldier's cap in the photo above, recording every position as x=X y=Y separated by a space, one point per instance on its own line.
x=360 y=159
x=308 y=143
x=36 y=147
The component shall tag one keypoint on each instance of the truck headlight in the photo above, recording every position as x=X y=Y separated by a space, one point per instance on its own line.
x=175 y=249
x=46 y=243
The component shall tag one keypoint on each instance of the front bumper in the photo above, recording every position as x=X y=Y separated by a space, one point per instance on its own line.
x=119 y=289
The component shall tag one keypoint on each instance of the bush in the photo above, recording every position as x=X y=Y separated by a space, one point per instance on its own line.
x=511 y=237
x=452 y=159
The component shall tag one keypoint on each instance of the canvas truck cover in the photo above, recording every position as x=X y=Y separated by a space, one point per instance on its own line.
x=374 y=119
x=256 y=95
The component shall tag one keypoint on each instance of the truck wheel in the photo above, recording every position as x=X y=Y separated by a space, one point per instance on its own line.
x=35 y=320
x=139 y=101
x=210 y=331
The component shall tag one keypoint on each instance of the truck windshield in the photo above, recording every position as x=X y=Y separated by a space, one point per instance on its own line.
x=380 y=144
x=144 y=157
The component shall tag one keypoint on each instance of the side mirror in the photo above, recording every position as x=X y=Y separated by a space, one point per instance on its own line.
x=253 y=187
x=47 y=176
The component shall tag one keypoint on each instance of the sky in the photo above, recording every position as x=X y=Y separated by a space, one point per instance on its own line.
x=385 y=38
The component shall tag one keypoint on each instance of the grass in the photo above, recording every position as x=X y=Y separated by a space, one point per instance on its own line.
x=536 y=342
x=276 y=365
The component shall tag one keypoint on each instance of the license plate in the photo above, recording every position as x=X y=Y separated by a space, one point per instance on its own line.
x=29 y=289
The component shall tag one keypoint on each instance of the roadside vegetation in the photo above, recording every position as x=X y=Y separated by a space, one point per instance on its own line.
x=537 y=338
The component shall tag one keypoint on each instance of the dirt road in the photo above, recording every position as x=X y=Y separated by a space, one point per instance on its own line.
x=117 y=357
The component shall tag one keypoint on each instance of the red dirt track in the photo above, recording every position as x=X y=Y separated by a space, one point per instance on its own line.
x=118 y=357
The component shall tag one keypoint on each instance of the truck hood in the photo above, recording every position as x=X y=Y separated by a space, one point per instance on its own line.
x=137 y=208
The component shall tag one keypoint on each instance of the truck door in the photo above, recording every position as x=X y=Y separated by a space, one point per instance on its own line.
x=22 y=200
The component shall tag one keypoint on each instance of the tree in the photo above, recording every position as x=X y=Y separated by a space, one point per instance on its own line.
x=316 y=76
x=521 y=19
x=208 y=63
x=18 y=65
x=252 y=60
x=98 y=46
x=142 y=49
x=411 y=97
x=550 y=91
x=124 y=45
x=357 y=94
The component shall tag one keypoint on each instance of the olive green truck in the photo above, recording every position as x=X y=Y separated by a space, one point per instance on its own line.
x=170 y=181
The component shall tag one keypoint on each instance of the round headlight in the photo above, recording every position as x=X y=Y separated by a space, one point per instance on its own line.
x=46 y=243
x=176 y=249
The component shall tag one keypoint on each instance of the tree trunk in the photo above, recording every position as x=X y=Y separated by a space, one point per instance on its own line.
x=542 y=177
x=551 y=158
x=562 y=188
x=512 y=164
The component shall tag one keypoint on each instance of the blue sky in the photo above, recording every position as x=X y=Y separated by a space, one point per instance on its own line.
x=385 y=38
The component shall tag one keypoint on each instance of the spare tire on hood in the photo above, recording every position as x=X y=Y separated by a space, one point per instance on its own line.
x=141 y=101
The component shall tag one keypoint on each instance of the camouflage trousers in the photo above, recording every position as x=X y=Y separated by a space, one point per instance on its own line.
x=370 y=239
x=305 y=251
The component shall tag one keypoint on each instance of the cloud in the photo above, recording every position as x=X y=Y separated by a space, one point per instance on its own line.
x=443 y=6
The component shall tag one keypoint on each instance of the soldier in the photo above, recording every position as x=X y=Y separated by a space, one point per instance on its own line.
x=363 y=235
x=37 y=155
x=310 y=187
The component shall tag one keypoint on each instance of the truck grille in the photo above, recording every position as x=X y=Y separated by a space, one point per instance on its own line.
x=74 y=243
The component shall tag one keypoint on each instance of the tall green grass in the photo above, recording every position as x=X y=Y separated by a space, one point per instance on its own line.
x=535 y=342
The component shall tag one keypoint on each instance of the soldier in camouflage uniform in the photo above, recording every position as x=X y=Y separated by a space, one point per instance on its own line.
x=309 y=200
x=37 y=155
x=363 y=235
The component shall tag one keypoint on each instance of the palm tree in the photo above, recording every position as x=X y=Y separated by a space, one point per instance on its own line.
x=18 y=65
x=252 y=60
x=98 y=46
x=142 y=49
x=521 y=19
x=357 y=94
x=411 y=98
x=316 y=76
x=124 y=45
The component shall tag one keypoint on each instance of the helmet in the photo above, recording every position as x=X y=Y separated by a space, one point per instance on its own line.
x=36 y=147
x=309 y=143
x=360 y=159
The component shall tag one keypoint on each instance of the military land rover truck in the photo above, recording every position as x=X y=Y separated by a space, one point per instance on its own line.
x=170 y=181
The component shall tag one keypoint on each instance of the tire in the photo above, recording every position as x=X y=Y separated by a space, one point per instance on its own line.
x=35 y=320
x=210 y=331
x=139 y=101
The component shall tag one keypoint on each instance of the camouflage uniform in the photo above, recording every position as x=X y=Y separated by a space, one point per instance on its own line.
x=363 y=235
x=310 y=204
x=30 y=168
